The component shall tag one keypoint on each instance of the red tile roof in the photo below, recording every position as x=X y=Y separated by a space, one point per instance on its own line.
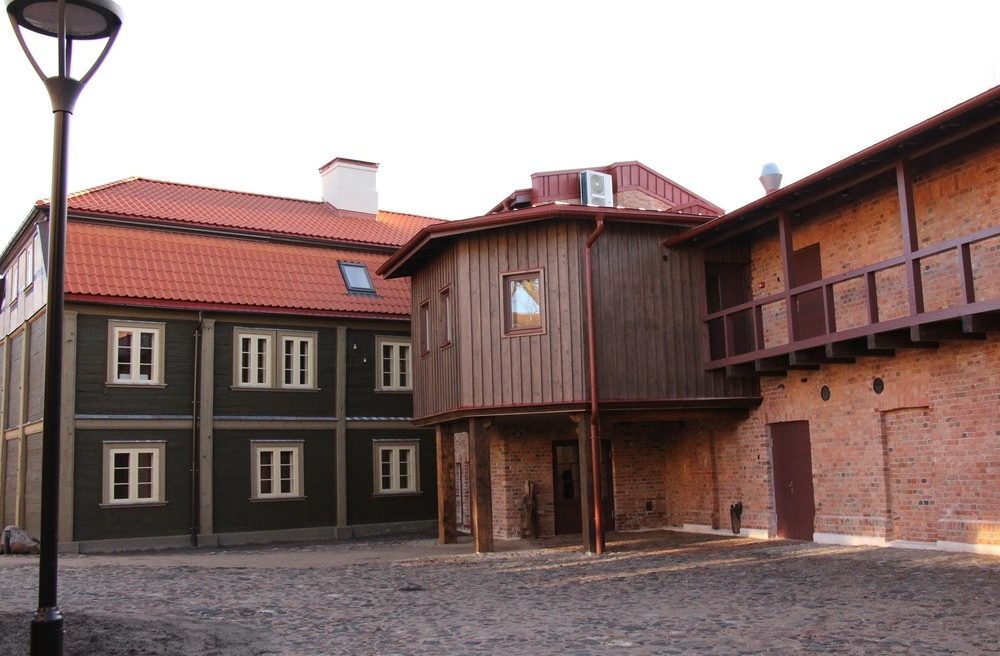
x=169 y=268
x=156 y=201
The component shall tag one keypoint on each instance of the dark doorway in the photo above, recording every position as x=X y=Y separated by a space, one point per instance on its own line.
x=806 y=268
x=793 y=482
x=728 y=285
x=566 y=484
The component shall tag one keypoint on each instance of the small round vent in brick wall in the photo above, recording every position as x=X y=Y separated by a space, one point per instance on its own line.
x=878 y=385
x=824 y=393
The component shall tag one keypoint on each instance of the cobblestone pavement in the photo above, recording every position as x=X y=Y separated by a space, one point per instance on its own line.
x=653 y=593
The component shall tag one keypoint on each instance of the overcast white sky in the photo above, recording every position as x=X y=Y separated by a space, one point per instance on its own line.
x=461 y=101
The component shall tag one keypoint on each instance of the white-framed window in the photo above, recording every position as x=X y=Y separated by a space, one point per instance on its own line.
x=135 y=353
x=29 y=266
x=296 y=360
x=396 y=467
x=133 y=472
x=274 y=358
x=254 y=357
x=394 y=364
x=277 y=469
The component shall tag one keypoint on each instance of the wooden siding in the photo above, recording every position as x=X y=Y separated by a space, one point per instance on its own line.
x=36 y=368
x=274 y=402
x=234 y=511
x=530 y=369
x=95 y=396
x=33 y=485
x=92 y=522
x=10 y=484
x=366 y=507
x=363 y=400
x=16 y=346
x=649 y=319
x=436 y=374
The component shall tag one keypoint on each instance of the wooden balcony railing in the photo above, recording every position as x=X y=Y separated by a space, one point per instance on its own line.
x=751 y=337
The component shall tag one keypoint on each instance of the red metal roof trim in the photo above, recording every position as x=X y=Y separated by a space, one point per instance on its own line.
x=156 y=201
x=391 y=267
x=133 y=265
x=802 y=187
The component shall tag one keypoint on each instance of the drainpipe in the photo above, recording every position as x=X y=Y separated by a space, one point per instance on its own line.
x=595 y=411
x=194 y=435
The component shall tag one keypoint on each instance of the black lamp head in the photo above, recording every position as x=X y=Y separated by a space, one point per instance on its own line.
x=85 y=19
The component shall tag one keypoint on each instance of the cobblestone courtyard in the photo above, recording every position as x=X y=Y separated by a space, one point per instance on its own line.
x=653 y=593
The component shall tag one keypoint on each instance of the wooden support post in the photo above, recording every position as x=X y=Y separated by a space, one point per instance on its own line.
x=965 y=267
x=206 y=428
x=785 y=246
x=586 y=496
x=4 y=448
x=67 y=437
x=447 y=516
x=871 y=297
x=911 y=244
x=481 y=486
x=340 y=437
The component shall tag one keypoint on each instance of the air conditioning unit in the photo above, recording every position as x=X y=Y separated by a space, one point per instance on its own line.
x=595 y=189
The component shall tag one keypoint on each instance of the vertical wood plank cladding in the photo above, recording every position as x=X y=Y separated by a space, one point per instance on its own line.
x=463 y=284
x=36 y=368
x=5 y=446
x=13 y=391
x=67 y=430
x=437 y=374
x=646 y=353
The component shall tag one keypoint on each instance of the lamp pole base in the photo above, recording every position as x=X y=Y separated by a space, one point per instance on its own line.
x=47 y=632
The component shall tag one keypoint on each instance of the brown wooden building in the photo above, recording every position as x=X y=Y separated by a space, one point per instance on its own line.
x=510 y=309
x=826 y=356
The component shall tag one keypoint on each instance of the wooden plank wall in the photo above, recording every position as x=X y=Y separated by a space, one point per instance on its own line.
x=545 y=368
x=436 y=382
x=649 y=319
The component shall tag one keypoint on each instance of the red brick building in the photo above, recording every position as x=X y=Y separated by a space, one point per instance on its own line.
x=826 y=356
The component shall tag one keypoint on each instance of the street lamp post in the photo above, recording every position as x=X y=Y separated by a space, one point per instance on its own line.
x=67 y=21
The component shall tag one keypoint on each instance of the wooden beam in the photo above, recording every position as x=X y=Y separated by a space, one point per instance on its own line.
x=776 y=366
x=586 y=496
x=206 y=434
x=911 y=242
x=340 y=435
x=944 y=331
x=447 y=511
x=981 y=323
x=67 y=430
x=481 y=488
x=813 y=358
x=854 y=348
x=896 y=339
x=786 y=248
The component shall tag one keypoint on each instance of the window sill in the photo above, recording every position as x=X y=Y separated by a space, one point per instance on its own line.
x=524 y=333
x=383 y=495
x=136 y=504
x=240 y=388
x=393 y=391
x=273 y=499
x=151 y=385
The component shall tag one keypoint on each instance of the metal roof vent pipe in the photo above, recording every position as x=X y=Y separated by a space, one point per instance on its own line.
x=770 y=177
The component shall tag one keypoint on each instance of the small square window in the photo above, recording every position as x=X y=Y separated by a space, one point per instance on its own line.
x=135 y=353
x=133 y=472
x=277 y=469
x=424 y=314
x=356 y=278
x=523 y=303
x=397 y=468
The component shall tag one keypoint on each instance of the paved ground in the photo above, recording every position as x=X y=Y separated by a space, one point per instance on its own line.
x=654 y=593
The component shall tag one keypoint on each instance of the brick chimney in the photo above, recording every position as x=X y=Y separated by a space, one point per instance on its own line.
x=349 y=184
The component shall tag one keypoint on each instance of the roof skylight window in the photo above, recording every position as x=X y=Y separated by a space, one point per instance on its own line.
x=356 y=278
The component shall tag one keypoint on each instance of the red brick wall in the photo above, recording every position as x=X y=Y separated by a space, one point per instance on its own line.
x=518 y=455
x=640 y=466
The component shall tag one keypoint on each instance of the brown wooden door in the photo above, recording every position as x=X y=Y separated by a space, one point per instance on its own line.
x=793 y=482
x=806 y=268
x=566 y=484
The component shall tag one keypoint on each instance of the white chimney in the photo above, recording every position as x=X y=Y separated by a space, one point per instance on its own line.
x=770 y=177
x=349 y=184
